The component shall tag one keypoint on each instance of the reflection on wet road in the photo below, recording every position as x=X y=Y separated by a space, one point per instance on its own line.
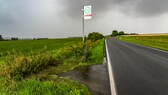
x=95 y=77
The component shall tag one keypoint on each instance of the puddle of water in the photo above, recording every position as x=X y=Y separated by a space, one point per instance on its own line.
x=95 y=77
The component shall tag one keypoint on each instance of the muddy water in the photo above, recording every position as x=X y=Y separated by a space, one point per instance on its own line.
x=95 y=77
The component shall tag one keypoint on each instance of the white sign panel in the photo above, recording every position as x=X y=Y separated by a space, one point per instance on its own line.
x=88 y=12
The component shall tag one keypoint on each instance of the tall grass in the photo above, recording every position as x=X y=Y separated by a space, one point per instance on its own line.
x=17 y=66
x=59 y=86
x=77 y=53
x=97 y=53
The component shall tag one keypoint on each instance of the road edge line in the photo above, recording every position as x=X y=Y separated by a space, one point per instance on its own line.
x=111 y=75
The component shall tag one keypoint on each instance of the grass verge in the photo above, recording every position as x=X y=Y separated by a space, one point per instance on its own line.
x=159 y=42
x=97 y=53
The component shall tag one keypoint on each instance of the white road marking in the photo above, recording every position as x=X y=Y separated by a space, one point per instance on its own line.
x=111 y=76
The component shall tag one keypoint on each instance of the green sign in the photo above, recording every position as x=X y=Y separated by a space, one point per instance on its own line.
x=88 y=12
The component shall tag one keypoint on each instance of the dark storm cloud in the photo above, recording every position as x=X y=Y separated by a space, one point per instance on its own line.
x=74 y=7
x=152 y=7
x=10 y=10
x=142 y=8
x=62 y=18
x=28 y=18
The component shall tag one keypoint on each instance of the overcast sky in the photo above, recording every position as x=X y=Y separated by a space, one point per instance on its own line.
x=63 y=18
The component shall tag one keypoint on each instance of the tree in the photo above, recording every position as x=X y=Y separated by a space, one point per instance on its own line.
x=1 y=37
x=114 y=33
x=94 y=36
x=121 y=33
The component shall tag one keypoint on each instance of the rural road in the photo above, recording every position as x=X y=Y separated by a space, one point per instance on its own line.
x=137 y=70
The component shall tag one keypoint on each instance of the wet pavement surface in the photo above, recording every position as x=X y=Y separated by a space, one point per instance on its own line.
x=94 y=77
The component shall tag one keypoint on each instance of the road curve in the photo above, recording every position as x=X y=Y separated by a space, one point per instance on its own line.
x=138 y=70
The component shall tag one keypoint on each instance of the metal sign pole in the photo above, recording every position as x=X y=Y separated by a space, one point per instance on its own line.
x=83 y=24
x=87 y=14
x=84 y=44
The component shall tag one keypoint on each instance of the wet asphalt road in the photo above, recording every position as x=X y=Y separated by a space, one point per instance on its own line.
x=138 y=70
x=94 y=77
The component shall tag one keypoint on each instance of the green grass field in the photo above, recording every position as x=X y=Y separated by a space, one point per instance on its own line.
x=159 y=42
x=25 y=65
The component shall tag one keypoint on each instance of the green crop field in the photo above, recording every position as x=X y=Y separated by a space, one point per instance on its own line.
x=159 y=42
x=25 y=46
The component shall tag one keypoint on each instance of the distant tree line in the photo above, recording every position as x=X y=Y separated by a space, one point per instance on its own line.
x=116 y=33
x=14 y=38
x=41 y=39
